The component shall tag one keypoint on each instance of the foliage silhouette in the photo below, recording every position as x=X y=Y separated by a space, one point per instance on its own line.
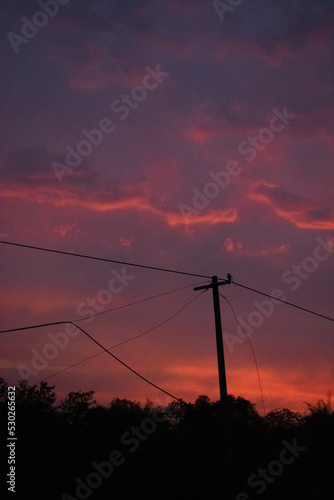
x=77 y=405
x=178 y=451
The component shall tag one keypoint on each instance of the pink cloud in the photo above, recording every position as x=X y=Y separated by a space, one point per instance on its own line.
x=301 y=211
x=63 y=229
x=288 y=388
x=70 y=199
x=197 y=134
x=39 y=300
x=243 y=248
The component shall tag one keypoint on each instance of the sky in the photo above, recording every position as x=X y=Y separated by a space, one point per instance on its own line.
x=195 y=136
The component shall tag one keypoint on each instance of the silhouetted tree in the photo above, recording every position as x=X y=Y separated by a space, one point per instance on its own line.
x=38 y=398
x=76 y=405
x=3 y=390
x=181 y=454
x=283 y=418
x=321 y=408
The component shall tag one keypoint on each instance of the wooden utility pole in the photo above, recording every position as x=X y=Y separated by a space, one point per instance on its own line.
x=219 y=335
x=225 y=431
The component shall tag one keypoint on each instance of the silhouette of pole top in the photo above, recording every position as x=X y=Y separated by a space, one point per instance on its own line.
x=215 y=282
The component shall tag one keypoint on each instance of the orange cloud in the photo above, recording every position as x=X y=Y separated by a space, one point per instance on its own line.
x=302 y=212
x=214 y=217
x=193 y=371
x=191 y=379
x=197 y=134
x=38 y=301
x=64 y=229
x=125 y=242
x=232 y=245
x=70 y=198
x=288 y=388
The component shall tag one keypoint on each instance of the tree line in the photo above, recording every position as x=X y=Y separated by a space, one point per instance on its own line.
x=78 y=449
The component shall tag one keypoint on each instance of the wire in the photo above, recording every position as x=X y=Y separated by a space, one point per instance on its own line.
x=159 y=269
x=137 y=302
x=250 y=344
x=284 y=301
x=124 y=364
x=102 y=347
x=104 y=312
x=104 y=260
x=53 y=323
x=124 y=341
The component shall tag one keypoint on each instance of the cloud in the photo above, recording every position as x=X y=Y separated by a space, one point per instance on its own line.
x=67 y=198
x=28 y=165
x=288 y=388
x=301 y=211
x=268 y=24
x=243 y=248
x=122 y=201
x=38 y=300
x=64 y=229
x=193 y=379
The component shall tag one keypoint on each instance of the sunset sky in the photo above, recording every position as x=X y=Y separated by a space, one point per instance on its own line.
x=176 y=134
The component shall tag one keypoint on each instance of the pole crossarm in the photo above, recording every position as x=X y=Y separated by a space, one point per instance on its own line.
x=212 y=284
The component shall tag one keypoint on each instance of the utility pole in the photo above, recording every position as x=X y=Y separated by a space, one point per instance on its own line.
x=225 y=431
x=219 y=335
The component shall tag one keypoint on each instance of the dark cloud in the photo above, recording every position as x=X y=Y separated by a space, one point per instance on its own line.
x=28 y=163
x=269 y=23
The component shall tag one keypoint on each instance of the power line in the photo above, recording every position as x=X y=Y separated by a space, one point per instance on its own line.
x=284 y=301
x=104 y=260
x=31 y=327
x=106 y=311
x=102 y=347
x=124 y=341
x=136 y=302
x=124 y=364
x=250 y=344
x=162 y=270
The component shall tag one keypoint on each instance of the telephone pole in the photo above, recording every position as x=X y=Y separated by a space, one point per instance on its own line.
x=225 y=430
x=219 y=335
